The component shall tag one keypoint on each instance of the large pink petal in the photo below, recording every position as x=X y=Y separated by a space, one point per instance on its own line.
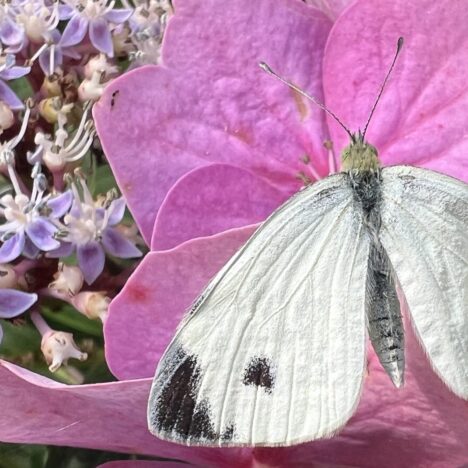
x=212 y=199
x=210 y=102
x=422 y=117
x=142 y=464
x=332 y=8
x=110 y=416
x=144 y=316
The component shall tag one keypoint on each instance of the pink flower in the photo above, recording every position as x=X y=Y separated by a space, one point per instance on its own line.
x=207 y=146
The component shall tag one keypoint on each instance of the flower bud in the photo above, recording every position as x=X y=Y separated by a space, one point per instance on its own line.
x=50 y=108
x=99 y=64
x=121 y=41
x=67 y=280
x=7 y=119
x=53 y=160
x=58 y=347
x=51 y=85
x=92 y=304
x=91 y=90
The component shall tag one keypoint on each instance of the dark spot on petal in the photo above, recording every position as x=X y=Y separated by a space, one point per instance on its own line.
x=258 y=373
x=137 y=292
x=114 y=97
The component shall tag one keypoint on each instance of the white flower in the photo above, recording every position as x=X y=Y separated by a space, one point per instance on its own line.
x=58 y=347
x=67 y=280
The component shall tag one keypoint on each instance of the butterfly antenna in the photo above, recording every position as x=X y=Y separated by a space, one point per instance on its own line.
x=399 y=46
x=268 y=69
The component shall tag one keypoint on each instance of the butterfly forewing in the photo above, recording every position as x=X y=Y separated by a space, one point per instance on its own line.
x=273 y=353
x=425 y=233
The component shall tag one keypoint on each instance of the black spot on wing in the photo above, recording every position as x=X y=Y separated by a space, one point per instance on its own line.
x=259 y=373
x=228 y=433
x=178 y=408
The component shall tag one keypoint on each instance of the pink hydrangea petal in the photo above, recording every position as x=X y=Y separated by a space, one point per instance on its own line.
x=143 y=317
x=422 y=117
x=332 y=8
x=109 y=416
x=143 y=464
x=212 y=199
x=212 y=103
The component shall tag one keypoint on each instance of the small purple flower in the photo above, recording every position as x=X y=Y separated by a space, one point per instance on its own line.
x=90 y=228
x=12 y=34
x=51 y=56
x=39 y=18
x=10 y=71
x=30 y=220
x=13 y=303
x=93 y=16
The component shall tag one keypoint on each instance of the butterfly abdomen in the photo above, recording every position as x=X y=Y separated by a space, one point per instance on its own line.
x=384 y=322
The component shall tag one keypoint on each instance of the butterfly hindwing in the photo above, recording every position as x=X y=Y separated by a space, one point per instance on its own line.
x=425 y=233
x=273 y=352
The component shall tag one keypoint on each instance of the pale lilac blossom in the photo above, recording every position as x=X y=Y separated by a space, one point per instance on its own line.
x=94 y=17
x=51 y=56
x=147 y=25
x=29 y=218
x=37 y=18
x=12 y=34
x=90 y=228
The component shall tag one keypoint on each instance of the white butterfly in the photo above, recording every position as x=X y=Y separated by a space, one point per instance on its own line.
x=273 y=352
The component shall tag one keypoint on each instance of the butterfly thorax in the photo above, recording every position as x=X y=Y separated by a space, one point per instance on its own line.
x=359 y=156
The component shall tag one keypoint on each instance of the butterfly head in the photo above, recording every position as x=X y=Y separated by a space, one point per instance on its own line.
x=359 y=155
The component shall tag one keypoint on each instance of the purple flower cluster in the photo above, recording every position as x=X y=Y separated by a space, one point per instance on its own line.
x=39 y=222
